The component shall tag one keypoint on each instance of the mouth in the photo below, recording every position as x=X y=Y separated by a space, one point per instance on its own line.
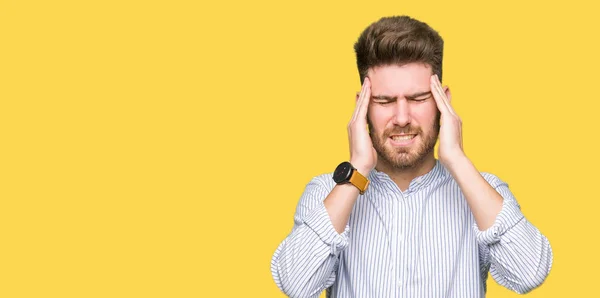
x=403 y=139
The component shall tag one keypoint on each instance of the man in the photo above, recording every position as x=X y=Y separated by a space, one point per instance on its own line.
x=395 y=221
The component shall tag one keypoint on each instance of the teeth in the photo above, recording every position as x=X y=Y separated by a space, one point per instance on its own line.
x=403 y=138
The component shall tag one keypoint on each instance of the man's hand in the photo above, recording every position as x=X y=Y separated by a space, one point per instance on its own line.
x=485 y=202
x=451 y=147
x=362 y=153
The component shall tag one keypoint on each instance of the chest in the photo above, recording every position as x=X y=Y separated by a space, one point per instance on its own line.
x=413 y=234
x=407 y=245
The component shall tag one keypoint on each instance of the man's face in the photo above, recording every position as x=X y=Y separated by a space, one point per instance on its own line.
x=403 y=117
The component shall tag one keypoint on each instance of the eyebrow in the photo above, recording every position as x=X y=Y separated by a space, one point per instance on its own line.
x=411 y=96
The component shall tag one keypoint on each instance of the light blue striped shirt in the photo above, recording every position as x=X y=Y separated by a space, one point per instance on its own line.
x=422 y=242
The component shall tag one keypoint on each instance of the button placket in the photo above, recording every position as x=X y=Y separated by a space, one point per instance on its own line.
x=399 y=237
x=394 y=231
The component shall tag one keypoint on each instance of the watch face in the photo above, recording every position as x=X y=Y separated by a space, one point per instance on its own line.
x=342 y=172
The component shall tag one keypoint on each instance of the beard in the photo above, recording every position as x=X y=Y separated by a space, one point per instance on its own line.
x=405 y=157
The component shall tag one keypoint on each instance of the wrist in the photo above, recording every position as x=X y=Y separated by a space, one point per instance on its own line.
x=457 y=162
x=346 y=172
x=361 y=168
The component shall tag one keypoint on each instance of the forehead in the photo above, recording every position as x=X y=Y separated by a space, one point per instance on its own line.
x=397 y=80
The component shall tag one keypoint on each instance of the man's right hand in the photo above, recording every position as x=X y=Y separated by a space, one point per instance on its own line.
x=362 y=153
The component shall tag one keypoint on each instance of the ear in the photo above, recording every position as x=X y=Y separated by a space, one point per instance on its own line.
x=448 y=94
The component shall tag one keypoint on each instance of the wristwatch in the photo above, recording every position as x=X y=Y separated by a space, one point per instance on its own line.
x=346 y=173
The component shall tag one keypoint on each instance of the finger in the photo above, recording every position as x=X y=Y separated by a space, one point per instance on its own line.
x=364 y=107
x=448 y=94
x=363 y=99
x=358 y=101
x=440 y=91
x=445 y=98
x=438 y=97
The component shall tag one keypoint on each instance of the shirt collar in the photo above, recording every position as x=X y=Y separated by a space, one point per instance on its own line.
x=437 y=172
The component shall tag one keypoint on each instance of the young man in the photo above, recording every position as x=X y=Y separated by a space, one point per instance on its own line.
x=394 y=221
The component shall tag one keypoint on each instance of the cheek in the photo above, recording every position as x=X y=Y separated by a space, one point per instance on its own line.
x=379 y=116
x=425 y=115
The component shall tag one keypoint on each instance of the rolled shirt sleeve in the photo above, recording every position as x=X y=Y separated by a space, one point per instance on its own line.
x=519 y=255
x=305 y=262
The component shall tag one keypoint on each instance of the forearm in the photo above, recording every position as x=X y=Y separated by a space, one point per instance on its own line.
x=483 y=200
x=303 y=265
x=521 y=258
x=519 y=254
x=339 y=205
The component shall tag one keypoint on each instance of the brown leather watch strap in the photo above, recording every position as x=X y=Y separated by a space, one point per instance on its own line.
x=360 y=181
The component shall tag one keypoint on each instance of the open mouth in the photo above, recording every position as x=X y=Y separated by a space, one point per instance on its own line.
x=400 y=140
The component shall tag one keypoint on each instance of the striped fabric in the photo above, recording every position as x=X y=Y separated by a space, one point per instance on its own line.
x=423 y=242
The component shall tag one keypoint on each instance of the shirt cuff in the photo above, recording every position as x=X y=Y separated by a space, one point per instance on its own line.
x=319 y=221
x=508 y=217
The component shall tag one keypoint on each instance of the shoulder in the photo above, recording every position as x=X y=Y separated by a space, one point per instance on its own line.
x=493 y=179
x=324 y=180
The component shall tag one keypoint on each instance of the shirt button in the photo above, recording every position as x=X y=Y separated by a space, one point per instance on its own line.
x=400 y=284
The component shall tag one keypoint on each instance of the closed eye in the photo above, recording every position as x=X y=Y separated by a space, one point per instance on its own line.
x=383 y=102
x=423 y=98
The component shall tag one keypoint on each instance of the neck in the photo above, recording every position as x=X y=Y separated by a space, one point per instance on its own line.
x=403 y=176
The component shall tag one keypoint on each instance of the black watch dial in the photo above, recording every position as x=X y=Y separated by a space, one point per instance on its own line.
x=343 y=172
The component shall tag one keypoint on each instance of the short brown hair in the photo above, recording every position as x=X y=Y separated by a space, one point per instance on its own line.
x=398 y=40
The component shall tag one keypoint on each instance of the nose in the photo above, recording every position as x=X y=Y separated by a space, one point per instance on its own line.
x=401 y=113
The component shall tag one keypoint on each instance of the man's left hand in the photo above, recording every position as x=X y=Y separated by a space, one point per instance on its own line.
x=450 y=147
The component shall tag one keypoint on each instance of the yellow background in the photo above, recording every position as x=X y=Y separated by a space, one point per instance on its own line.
x=159 y=148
